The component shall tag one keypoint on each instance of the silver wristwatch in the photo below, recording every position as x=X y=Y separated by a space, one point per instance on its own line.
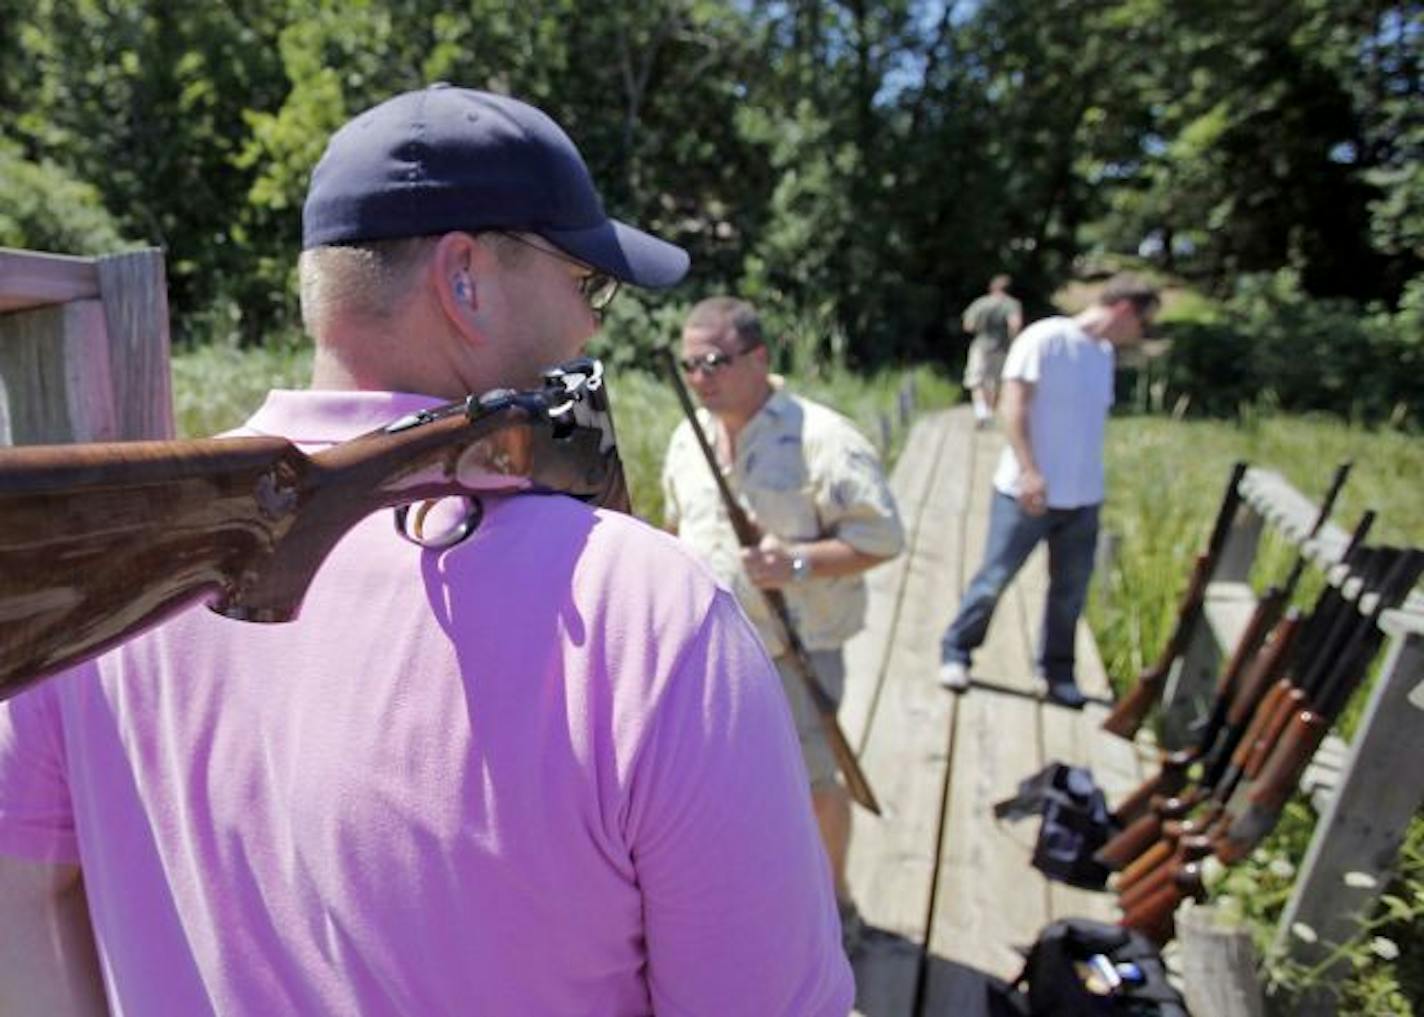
x=800 y=567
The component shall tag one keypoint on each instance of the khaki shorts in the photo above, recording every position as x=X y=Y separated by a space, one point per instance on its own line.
x=815 y=749
x=986 y=363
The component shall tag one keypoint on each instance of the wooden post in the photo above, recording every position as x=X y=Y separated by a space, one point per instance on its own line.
x=1239 y=555
x=134 y=289
x=84 y=348
x=1364 y=825
x=1218 y=965
x=906 y=402
x=1191 y=683
x=54 y=362
x=1191 y=686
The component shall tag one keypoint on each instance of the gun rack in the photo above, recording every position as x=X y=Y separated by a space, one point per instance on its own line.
x=1366 y=792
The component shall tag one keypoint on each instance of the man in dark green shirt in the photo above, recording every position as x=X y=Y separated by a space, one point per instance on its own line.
x=993 y=320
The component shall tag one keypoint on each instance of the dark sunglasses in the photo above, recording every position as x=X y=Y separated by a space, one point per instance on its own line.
x=712 y=362
x=597 y=287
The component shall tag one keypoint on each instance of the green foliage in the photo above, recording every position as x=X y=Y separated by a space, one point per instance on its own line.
x=1383 y=960
x=867 y=166
x=1165 y=480
x=1274 y=142
x=217 y=387
x=46 y=209
x=1272 y=346
x=144 y=102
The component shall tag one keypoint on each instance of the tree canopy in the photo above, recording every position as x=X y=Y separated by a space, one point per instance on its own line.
x=868 y=165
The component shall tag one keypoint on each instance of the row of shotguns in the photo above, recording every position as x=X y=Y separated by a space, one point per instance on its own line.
x=1283 y=686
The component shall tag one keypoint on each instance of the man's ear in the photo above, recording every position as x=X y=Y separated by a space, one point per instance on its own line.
x=455 y=270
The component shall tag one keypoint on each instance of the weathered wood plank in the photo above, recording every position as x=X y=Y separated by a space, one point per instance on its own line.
x=1273 y=498
x=988 y=898
x=1363 y=827
x=866 y=652
x=30 y=279
x=1218 y=966
x=999 y=662
x=135 y=295
x=1116 y=762
x=892 y=859
x=54 y=367
x=1065 y=736
x=939 y=833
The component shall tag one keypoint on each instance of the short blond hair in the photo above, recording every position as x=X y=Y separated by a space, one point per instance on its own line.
x=370 y=281
x=373 y=280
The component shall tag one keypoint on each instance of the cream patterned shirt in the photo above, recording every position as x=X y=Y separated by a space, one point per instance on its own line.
x=804 y=473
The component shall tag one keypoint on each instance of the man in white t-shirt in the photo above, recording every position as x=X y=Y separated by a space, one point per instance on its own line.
x=1058 y=388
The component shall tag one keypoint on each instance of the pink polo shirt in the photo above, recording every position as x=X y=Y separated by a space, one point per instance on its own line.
x=548 y=771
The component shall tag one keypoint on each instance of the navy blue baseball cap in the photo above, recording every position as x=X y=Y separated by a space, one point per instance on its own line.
x=443 y=158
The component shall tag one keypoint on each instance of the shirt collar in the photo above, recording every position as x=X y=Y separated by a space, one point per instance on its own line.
x=776 y=406
x=325 y=415
x=770 y=414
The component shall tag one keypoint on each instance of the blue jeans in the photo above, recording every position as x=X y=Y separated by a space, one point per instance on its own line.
x=1072 y=536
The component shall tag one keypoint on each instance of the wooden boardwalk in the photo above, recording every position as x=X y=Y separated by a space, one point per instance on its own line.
x=947 y=891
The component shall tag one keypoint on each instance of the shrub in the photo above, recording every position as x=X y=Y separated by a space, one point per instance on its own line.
x=45 y=209
x=1271 y=345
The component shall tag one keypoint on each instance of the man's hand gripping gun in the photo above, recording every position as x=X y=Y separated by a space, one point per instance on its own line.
x=99 y=542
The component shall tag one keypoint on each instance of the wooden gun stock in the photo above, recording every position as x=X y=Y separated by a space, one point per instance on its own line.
x=1253 y=688
x=1274 y=786
x=1169 y=779
x=749 y=536
x=99 y=542
x=1127 y=848
x=1245 y=656
x=1285 y=757
x=1138 y=836
x=1153 y=916
x=1183 y=852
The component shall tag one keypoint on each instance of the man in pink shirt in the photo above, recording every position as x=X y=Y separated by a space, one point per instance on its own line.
x=548 y=770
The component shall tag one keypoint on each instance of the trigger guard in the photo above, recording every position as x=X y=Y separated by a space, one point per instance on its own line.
x=474 y=515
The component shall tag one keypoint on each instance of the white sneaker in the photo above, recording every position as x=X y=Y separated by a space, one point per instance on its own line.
x=954 y=675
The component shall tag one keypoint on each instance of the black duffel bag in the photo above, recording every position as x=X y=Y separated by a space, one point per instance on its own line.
x=1083 y=968
x=1076 y=822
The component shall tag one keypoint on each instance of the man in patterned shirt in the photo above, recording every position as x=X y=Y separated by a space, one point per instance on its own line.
x=814 y=486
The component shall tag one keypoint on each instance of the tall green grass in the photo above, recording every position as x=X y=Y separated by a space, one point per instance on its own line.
x=216 y=387
x=1165 y=481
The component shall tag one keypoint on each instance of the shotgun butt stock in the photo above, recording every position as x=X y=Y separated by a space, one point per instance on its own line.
x=99 y=541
